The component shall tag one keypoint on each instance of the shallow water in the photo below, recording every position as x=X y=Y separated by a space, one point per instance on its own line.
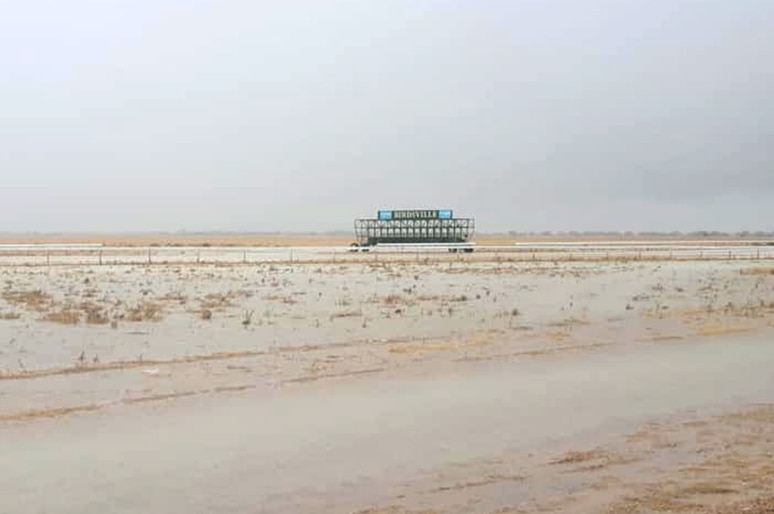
x=321 y=447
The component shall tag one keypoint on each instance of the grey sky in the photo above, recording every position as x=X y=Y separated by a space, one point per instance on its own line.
x=302 y=115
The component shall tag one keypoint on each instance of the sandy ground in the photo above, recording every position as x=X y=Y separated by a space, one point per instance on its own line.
x=388 y=387
x=163 y=239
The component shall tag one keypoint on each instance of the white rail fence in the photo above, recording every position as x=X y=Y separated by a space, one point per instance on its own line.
x=57 y=255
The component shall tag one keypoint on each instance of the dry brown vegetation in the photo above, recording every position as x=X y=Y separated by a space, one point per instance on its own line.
x=73 y=314
x=580 y=457
x=221 y=301
x=734 y=472
x=9 y=316
x=409 y=299
x=144 y=311
x=396 y=509
x=286 y=299
x=441 y=346
x=763 y=505
x=64 y=316
x=346 y=314
x=178 y=298
x=160 y=397
x=417 y=348
x=717 y=330
x=31 y=300
x=47 y=413
x=96 y=317
x=749 y=310
x=511 y=313
x=757 y=271
x=485 y=481
x=393 y=299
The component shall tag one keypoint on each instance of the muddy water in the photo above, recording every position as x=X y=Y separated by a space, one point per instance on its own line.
x=338 y=446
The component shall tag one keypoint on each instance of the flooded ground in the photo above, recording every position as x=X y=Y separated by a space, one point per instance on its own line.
x=387 y=387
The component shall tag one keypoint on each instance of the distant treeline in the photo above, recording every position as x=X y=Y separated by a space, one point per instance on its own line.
x=674 y=234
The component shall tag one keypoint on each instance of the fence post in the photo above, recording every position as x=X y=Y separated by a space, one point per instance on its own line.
x=149 y=256
x=100 y=257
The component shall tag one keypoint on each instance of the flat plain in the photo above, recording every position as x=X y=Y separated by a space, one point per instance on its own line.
x=388 y=383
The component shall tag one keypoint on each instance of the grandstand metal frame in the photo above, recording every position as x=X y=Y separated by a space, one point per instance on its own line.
x=370 y=232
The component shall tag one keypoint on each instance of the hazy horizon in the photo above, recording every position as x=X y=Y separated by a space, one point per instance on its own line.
x=348 y=234
x=527 y=115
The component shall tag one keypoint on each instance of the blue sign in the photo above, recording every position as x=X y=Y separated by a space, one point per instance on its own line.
x=427 y=214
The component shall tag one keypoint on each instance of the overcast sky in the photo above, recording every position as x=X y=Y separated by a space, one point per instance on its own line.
x=302 y=115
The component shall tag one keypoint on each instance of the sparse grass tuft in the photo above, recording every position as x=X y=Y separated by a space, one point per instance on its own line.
x=347 y=314
x=95 y=315
x=221 y=301
x=392 y=299
x=65 y=316
x=145 y=311
x=286 y=299
x=344 y=301
x=709 y=331
x=578 y=457
x=247 y=318
x=96 y=318
x=176 y=297
x=32 y=300
x=508 y=314
x=705 y=488
x=757 y=271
